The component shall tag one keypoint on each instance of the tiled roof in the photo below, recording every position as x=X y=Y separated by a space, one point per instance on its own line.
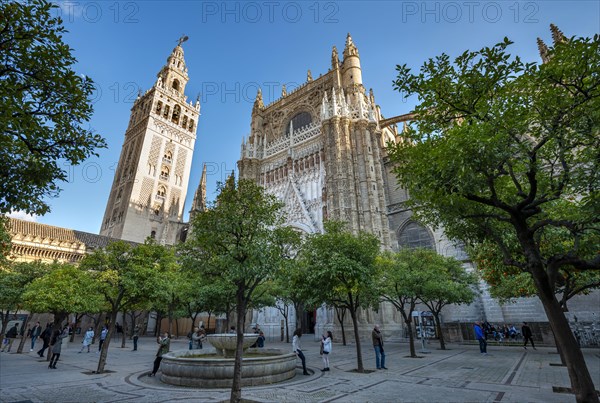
x=61 y=234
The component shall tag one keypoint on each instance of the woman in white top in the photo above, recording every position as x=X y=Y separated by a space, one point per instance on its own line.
x=87 y=339
x=296 y=349
x=326 y=350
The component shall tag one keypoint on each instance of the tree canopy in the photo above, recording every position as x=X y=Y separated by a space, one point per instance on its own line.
x=505 y=151
x=44 y=107
x=126 y=276
x=239 y=240
x=341 y=271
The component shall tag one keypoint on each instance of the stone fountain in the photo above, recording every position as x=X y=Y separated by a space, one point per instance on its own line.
x=204 y=369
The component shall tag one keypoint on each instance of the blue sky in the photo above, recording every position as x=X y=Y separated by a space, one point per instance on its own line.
x=234 y=47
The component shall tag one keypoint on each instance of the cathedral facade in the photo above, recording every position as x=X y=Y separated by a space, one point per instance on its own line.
x=321 y=149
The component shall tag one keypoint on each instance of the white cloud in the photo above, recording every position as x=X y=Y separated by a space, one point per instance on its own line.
x=21 y=215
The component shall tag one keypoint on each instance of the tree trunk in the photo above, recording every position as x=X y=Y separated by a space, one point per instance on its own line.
x=236 y=386
x=559 y=350
x=341 y=315
x=287 y=328
x=208 y=322
x=97 y=326
x=581 y=381
x=4 y=322
x=359 y=360
x=104 y=351
x=24 y=337
x=124 y=329
x=157 y=326
x=438 y=325
x=411 y=336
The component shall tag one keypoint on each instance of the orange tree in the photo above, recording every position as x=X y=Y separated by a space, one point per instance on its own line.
x=506 y=152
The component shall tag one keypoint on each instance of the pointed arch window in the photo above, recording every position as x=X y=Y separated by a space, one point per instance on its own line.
x=168 y=157
x=166 y=112
x=159 y=106
x=164 y=173
x=176 y=85
x=191 y=125
x=184 y=122
x=161 y=192
x=414 y=235
x=299 y=120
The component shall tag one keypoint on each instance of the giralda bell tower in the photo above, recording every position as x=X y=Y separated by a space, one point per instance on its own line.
x=149 y=188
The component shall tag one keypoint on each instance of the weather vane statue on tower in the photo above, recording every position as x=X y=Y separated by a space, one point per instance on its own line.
x=182 y=39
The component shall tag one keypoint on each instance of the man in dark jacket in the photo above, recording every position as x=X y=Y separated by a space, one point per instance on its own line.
x=45 y=336
x=480 y=336
x=35 y=333
x=377 y=338
x=527 y=335
x=11 y=335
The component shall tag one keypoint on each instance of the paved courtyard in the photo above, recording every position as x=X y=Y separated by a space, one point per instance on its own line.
x=460 y=374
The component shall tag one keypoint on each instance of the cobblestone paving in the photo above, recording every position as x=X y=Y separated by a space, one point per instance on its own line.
x=460 y=374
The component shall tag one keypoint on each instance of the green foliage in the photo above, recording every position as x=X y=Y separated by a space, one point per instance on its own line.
x=341 y=271
x=64 y=289
x=44 y=104
x=238 y=242
x=128 y=275
x=340 y=267
x=508 y=282
x=446 y=282
x=14 y=279
x=507 y=152
x=401 y=282
x=5 y=241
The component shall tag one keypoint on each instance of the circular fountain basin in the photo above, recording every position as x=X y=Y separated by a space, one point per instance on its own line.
x=208 y=370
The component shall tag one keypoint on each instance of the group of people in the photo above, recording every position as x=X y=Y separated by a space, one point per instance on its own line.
x=483 y=330
x=196 y=337
x=326 y=346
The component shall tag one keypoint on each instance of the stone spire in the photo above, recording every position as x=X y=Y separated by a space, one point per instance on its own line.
x=309 y=76
x=350 y=48
x=199 y=203
x=543 y=49
x=557 y=35
x=283 y=91
x=335 y=59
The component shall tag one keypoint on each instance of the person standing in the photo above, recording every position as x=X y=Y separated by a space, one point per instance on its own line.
x=164 y=345
x=527 y=335
x=197 y=339
x=326 y=349
x=480 y=336
x=11 y=335
x=87 y=339
x=136 y=336
x=35 y=333
x=378 y=346
x=298 y=350
x=103 y=335
x=56 y=346
x=45 y=336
